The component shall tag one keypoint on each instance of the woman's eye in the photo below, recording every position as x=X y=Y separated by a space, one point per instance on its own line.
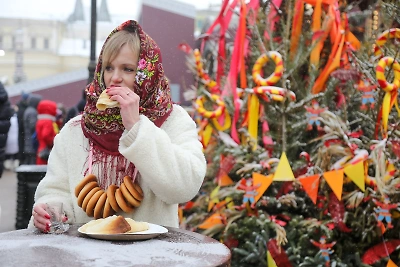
x=129 y=70
x=108 y=68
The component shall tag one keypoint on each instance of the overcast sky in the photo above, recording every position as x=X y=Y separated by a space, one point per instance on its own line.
x=62 y=8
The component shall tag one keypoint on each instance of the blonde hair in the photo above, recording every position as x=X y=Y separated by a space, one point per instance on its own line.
x=114 y=44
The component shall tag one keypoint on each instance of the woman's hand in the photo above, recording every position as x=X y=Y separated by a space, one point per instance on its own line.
x=128 y=102
x=41 y=219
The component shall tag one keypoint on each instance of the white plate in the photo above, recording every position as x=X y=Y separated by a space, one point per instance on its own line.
x=153 y=231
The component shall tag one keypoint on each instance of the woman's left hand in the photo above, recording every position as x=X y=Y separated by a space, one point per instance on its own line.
x=129 y=104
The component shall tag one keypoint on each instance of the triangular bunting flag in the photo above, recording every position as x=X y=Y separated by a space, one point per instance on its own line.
x=270 y=260
x=390 y=264
x=224 y=179
x=214 y=219
x=283 y=171
x=262 y=183
x=207 y=135
x=356 y=173
x=335 y=181
x=310 y=185
x=213 y=198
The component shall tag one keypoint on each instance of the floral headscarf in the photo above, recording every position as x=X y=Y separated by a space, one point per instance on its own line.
x=104 y=128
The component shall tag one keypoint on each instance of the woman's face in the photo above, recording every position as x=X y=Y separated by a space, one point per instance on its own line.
x=121 y=71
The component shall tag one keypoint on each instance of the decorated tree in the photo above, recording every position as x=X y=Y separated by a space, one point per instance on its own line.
x=296 y=106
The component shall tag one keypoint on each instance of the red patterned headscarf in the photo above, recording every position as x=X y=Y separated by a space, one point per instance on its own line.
x=104 y=128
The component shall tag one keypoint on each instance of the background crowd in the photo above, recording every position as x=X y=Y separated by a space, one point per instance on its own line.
x=27 y=129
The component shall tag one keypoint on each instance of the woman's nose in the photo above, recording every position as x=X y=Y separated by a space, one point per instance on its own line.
x=116 y=77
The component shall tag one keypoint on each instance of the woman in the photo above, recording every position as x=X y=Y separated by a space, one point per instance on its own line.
x=46 y=129
x=146 y=139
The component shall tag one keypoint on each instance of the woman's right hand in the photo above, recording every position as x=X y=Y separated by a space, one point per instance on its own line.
x=41 y=219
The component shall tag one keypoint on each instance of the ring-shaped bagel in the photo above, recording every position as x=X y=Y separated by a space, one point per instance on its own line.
x=88 y=178
x=135 y=191
x=131 y=200
x=92 y=203
x=259 y=64
x=111 y=197
x=99 y=208
x=89 y=196
x=121 y=202
x=140 y=191
x=210 y=114
x=85 y=190
x=393 y=33
x=108 y=210
x=380 y=74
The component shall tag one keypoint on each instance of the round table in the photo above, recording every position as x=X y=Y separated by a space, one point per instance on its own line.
x=176 y=248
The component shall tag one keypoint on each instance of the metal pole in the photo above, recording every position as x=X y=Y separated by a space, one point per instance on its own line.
x=93 y=21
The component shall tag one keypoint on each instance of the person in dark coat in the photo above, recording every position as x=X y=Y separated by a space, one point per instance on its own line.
x=5 y=115
x=30 y=119
x=22 y=105
x=77 y=109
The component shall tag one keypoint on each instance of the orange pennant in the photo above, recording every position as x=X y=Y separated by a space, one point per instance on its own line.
x=391 y=264
x=262 y=182
x=335 y=181
x=283 y=171
x=224 y=179
x=356 y=173
x=310 y=185
x=211 y=221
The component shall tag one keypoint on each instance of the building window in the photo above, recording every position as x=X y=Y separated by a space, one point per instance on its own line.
x=14 y=43
x=1 y=42
x=33 y=43
x=46 y=43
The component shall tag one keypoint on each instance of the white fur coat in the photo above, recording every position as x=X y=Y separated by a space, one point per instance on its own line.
x=169 y=159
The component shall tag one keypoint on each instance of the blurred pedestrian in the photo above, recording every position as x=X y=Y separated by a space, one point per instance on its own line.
x=12 y=147
x=30 y=118
x=77 y=109
x=22 y=106
x=60 y=115
x=46 y=129
x=5 y=115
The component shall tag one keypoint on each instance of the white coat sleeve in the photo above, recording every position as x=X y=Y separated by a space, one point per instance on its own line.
x=55 y=184
x=170 y=159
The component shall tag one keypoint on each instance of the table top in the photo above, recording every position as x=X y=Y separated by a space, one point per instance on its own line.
x=178 y=247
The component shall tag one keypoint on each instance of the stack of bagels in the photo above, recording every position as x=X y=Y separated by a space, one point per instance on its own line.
x=98 y=203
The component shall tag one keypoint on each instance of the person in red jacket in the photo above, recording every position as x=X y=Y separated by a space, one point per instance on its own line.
x=46 y=129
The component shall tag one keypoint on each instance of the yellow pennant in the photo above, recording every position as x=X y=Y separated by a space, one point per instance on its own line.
x=213 y=198
x=254 y=108
x=262 y=182
x=356 y=173
x=207 y=134
x=283 y=171
x=270 y=260
x=390 y=264
x=335 y=181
